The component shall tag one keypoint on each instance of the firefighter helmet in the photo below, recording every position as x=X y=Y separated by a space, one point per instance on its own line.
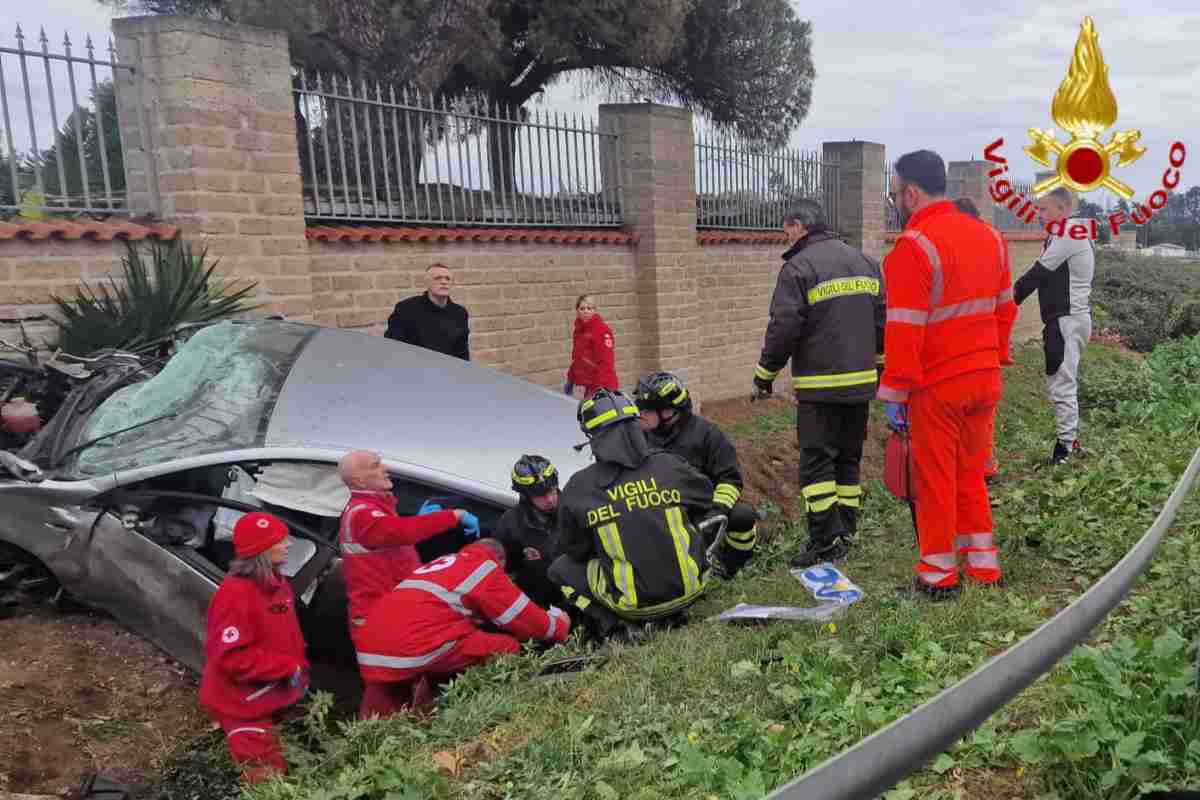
x=604 y=408
x=662 y=391
x=533 y=476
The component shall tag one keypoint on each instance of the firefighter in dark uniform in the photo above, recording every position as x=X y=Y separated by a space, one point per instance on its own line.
x=827 y=315
x=630 y=551
x=670 y=424
x=529 y=530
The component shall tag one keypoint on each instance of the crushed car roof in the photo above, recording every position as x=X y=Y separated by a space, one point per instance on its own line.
x=352 y=390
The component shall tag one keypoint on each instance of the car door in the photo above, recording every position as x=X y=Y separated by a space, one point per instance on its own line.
x=161 y=586
x=150 y=588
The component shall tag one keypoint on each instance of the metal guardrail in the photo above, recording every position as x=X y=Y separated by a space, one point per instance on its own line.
x=83 y=168
x=375 y=153
x=878 y=762
x=742 y=187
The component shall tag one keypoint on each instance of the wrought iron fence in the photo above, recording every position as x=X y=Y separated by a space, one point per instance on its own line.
x=739 y=186
x=77 y=166
x=891 y=214
x=370 y=153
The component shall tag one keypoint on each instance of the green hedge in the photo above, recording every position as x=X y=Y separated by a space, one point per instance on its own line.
x=1146 y=300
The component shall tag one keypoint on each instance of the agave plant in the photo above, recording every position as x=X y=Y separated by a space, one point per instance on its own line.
x=162 y=289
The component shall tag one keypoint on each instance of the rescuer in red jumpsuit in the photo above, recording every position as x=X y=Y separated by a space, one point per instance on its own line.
x=254 y=661
x=950 y=313
x=378 y=552
x=443 y=603
x=593 y=354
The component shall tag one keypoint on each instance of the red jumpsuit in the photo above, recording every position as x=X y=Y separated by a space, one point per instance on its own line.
x=377 y=553
x=252 y=649
x=950 y=313
x=593 y=358
x=442 y=604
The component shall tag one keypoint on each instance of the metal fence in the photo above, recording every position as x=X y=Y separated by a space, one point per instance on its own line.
x=58 y=154
x=739 y=186
x=891 y=214
x=370 y=153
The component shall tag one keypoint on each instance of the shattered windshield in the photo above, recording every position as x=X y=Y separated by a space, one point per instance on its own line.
x=216 y=393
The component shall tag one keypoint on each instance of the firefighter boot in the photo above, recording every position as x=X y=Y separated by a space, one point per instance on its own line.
x=826 y=539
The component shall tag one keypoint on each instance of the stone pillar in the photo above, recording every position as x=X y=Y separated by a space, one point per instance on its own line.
x=658 y=177
x=969 y=179
x=860 y=193
x=209 y=131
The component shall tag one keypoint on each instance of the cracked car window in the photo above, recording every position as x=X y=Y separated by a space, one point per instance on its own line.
x=220 y=389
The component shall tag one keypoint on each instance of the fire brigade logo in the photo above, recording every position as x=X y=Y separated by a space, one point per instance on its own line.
x=1085 y=107
x=230 y=635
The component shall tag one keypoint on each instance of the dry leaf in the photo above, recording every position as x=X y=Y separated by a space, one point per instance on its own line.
x=447 y=761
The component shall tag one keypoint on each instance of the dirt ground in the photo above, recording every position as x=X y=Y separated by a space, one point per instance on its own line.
x=78 y=693
x=770 y=460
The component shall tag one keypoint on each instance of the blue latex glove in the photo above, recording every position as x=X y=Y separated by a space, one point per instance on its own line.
x=428 y=508
x=897 y=414
x=297 y=679
x=568 y=388
x=470 y=525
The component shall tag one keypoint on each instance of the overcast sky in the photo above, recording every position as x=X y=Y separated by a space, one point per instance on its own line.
x=935 y=77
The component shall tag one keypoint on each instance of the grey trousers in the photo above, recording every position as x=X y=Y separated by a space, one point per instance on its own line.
x=1064 y=340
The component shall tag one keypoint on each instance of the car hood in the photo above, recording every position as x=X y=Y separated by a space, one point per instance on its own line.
x=350 y=391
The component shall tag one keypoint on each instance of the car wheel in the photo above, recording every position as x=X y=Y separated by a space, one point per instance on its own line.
x=24 y=580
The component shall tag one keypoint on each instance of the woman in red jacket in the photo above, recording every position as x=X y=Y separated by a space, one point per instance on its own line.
x=254 y=653
x=592 y=357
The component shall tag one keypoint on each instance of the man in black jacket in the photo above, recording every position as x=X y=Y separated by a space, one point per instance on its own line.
x=432 y=320
x=529 y=530
x=670 y=424
x=827 y=316
x=630 y=550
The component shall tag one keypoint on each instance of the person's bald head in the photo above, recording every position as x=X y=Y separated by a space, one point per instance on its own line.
x=496 y=548
x=363 y=471
x=439 y=280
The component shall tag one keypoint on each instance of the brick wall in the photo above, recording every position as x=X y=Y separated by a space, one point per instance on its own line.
x=735 y=282
x=31 y=270
x=521 y=297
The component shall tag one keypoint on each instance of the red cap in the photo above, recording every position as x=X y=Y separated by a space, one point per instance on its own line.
x=256 y=533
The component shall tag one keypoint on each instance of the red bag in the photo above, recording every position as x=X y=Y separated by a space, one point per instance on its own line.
x=897 y=466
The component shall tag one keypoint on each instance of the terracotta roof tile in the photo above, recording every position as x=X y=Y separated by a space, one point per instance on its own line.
x=73 y=230
x=390 y=233
x=740 y=237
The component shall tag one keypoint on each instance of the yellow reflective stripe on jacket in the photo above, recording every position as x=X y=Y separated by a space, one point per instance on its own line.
x=688 y=569
x=726 y=494
x=842 y=287
x=610 y=538
x=835 y=380
x=762 y=373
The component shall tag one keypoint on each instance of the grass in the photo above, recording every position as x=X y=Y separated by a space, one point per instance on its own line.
x=721 y=711
x=1146 y=300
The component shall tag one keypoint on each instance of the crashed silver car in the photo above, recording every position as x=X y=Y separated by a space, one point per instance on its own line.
x=127 y=497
